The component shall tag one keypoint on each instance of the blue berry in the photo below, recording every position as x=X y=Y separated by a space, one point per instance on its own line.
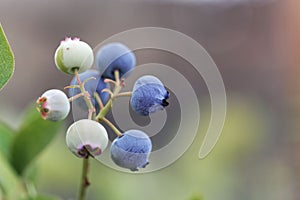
x=93 y=85
x=131 y=150
x=114 y=56
x=149 y=95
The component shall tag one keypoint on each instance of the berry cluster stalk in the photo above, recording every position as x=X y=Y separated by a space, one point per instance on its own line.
x=118 y=85
x=86 y=96
x=85 y=166
x=84 y=179
x=117 y=89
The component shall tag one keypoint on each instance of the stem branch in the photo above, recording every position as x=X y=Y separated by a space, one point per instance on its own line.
x=86 y=96
x=123 y=94
x=98 y=99
x=112 y=126
x=107 y=107
x=75 y=97
x=84 y=179
x=85 y=167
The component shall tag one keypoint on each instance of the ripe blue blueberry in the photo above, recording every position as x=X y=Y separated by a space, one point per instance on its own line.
x=131 y=150
x=114 y=56
x=149 y=95
x=91 y=86
x=53 y=105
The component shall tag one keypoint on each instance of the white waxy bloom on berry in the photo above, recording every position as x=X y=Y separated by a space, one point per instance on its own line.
x=73 y=54
x=86 y=138
x=53 y=105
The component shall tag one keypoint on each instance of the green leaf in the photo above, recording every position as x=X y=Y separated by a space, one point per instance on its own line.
x=7 y=61
x=6 y=137
x=33 y=137
x=9 y=182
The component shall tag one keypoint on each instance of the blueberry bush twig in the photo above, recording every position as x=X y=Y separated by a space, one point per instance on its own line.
x=94 y=90
x=85 y=94
x=84 y=179
x=85 y=166
x=111 y=126
x=123 y=94
x=117 y=89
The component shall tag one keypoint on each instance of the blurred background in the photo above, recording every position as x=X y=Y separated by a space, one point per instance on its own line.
x=255 y=44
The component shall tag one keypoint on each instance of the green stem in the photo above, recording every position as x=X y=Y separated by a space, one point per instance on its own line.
x=107 y=107
x=84 y=176
x=98 y=99
x=112 y=126
x=123 y=94
x=75 y=97
x=83 y=91
x=104 y=110
x=84 y=179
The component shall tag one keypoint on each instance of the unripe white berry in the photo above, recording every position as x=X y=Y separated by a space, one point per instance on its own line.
x=73 y=54
x=86 y=138
x=53 y=105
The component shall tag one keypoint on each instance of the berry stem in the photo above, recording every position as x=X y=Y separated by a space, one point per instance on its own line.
x=71 y=86
x=84 y=179
x=90 y=114
x=77 y=77
x=75 y=97
x=117 y=77
x=98 y=99
x=108 y=91
x=112 y=126
x=123 y=94
x=107 y=107
x=110 y=81
x=86 y=96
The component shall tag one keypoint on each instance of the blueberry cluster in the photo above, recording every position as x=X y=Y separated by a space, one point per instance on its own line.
x=95 y=90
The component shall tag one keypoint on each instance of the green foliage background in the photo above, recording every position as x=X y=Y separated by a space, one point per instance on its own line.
x=7 y=61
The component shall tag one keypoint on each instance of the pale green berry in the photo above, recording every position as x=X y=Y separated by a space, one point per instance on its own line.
x=53 y=105
x=73 y=54
x=86 y=138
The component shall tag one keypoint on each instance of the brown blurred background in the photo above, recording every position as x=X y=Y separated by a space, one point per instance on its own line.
x=255 y=44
